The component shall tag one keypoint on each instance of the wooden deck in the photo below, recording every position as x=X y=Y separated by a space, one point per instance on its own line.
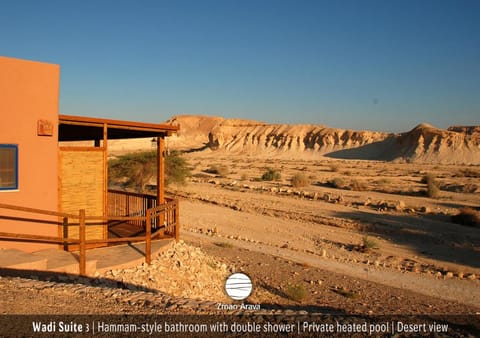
x=124 y=230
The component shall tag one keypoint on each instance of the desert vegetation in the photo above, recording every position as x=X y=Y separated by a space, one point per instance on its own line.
x=368 y=244
x=467 y=216
x=296 y=292
x=432 y=191
x=218 y=169
x=300 y=180
x=136 y=170
x=271 y=175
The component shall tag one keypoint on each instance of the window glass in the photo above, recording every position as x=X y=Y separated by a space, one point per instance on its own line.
x=8 y=167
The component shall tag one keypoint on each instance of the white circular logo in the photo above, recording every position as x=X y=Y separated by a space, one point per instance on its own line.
x=238 y=286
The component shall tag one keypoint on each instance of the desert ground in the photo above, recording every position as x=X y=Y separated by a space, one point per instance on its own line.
x=349 y=216
x=414 y=244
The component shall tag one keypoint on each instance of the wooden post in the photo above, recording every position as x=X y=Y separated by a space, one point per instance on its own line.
x=160 y=177
x=105 y=179
x=82 y=261
x=65 y=233
x=127 y=206
x=160 y=170
x=148 y=238
x=177 y=220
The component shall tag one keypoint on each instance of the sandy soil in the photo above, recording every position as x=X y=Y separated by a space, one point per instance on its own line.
x=417 y=247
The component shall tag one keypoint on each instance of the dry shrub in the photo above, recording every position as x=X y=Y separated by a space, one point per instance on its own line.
x=347 y=294
x=300 y=180
x=271 y=175
x=433 y=191
x=368 y=244
x=358 y=186
x=428 y=178
x=384 y=181
x=334 y=167
x=219 y=170
x=337 y=182
x=467 y=216
x=296 y=292
x=468 y=173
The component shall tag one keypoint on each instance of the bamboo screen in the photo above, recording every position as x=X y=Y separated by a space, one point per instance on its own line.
x=82 y=187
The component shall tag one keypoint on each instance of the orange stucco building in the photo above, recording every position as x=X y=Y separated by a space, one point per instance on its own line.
x=28 y=94
x=40 y=168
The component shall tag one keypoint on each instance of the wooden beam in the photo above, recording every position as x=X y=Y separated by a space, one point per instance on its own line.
x=35 y=211
x=34 y=238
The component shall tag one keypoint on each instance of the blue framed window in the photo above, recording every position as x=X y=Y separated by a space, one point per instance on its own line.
x=8 y=167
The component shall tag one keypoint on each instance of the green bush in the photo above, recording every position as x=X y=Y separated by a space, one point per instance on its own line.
x=176 y=168
x=271 y=175
x=135 y=170
x=300 y=180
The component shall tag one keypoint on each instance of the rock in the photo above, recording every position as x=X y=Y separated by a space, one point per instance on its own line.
x=323 y=253
x=425 y=210
x=400 y=205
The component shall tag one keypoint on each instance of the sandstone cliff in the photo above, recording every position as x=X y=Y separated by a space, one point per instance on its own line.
x=424 y=143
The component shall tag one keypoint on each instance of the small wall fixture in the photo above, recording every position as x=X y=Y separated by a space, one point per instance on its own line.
x=44 y=128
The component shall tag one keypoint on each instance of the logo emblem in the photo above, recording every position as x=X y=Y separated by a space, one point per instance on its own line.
x=238 y=286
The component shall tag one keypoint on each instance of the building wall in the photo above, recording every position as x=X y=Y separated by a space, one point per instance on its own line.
x=29 y=91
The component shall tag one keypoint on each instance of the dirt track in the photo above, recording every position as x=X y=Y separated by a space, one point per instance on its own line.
x=418 y=248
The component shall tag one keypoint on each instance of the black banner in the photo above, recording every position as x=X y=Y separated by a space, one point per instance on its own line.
x=248 y=325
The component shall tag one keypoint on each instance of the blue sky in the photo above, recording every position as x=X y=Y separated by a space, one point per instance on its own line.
x=378 y=65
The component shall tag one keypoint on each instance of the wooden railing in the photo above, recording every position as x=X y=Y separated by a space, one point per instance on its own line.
x=124 y=203
x=166 y=214
x=132 y=204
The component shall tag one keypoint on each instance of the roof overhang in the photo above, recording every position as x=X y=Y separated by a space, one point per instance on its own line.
x=79 y=128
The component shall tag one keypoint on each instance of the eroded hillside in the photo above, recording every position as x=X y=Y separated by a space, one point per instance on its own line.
x=424 y=143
